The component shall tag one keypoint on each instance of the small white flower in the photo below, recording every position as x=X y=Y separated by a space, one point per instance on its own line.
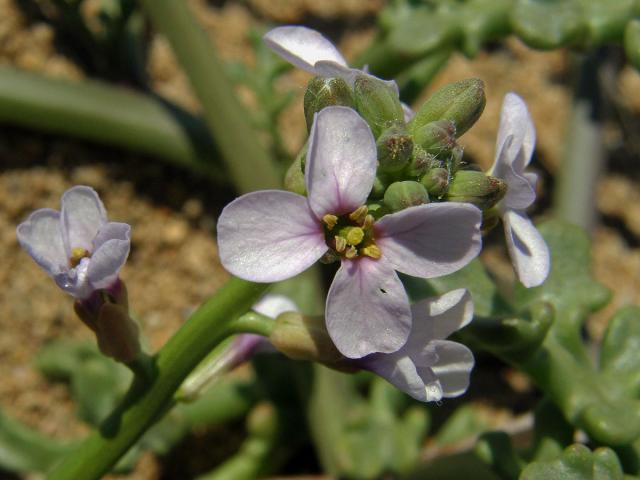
x=514 y=147
x=77 y=247
x=428 y=367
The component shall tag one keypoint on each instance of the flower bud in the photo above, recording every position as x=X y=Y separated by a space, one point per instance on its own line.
x=436 y=137
x=401 y=195
x=394 y=148
x=476 y=188
x=436 y=181
x=377 y=103
x=324 y=92
x=106 y=313
x=420 y=162
x=294 y=178
x=460 y=102
x=304 y=338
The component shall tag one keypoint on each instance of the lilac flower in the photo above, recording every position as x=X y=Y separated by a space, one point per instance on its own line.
x=272 y=235
x=309 y=50
x=514 y=147
x=77 y=247
x=428 y=367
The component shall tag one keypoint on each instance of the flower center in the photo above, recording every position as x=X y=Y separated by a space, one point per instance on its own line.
x=351 y=236
x=77 y=254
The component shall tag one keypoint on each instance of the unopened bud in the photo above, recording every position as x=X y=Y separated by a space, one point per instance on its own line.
x=460 y=102
x=324 y=92
x=420 y=162
x=377 y=103
x=106 y=313
x=436 y=137
x=394 y=148
x=294 y=178
x=304 y=338
x=476 y=188
x=401 y=195
x=436 y=181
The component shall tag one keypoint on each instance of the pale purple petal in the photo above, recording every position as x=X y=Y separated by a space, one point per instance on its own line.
x=303 y=47
x=75 y=280
x=367 y=309
x=408 y=112
x=401 y=372
x=520 y=189
x=528 y=250
x=430 y=240
x=341 y=162
x=112 y=230
x=41 y=237
x=273 y=305
x=438 y=317
x=268 y=236
x=516 y=136
x=82 y=216
x=453 y=367
x=109 y=257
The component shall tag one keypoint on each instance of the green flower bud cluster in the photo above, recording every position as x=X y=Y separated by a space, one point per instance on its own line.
x=419 y=160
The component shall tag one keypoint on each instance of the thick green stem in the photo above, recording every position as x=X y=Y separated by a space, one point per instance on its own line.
x=248 y=162
x=145 y=402
x=96 y=111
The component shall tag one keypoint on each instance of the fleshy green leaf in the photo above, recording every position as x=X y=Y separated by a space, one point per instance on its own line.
x=577 y=462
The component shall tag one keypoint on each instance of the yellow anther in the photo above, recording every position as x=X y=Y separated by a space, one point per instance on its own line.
x=368 y=222
x=372 y=251
x=330 y=220
x=355 y=236
x=351 y=252
x=359 y=214
x=341 y=244
x=77 y=254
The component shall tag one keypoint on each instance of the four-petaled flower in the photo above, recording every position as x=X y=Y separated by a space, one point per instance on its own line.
x=514 y=147
x=77 y=247
x=428 y=367
x=271 y=235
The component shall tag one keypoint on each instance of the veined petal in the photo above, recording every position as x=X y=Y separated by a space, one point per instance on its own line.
x=453 y=367
x=367 y=309
x=41 y=237
x=401 y=372
x=515 y=123
x=110 y=231
x=106 y=262
x=273 y=305
x=520 y=188
x=268 y=236
x=528 y=250
x=302 y=46
x=438 y=317
x=82 y=216
x=341 y=162
x=430 y=240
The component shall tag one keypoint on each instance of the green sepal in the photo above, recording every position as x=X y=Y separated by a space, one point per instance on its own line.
x=401 y=195
x=461 y=103
x=324 y=92
x=378 y=103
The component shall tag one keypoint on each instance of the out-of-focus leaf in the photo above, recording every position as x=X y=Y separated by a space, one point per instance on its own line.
x=577 y=462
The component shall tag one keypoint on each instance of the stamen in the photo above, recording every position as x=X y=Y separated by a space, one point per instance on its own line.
x=341 y=244
x=77 y=254
x=368 y=222
x=372 y=251
x=359 y=214
x=351 y=252
x=330 y=220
